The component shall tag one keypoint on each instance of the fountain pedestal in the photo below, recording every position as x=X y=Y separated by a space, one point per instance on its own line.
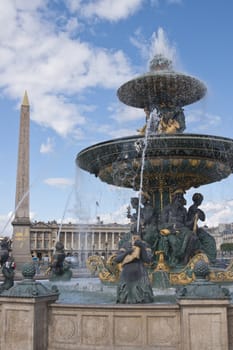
x=24 y=313
x=24 y=322
x=204 y=324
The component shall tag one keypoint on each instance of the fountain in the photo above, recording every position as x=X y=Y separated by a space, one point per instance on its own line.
x=162 y=163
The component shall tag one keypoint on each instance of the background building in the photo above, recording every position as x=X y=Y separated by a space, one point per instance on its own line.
x=80 y=241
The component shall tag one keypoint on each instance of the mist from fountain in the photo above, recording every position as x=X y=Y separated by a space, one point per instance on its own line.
x=15 y=210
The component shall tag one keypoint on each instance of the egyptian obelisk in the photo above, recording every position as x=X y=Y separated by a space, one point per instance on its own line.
x=21 y=224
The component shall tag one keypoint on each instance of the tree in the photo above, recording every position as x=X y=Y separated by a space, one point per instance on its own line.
x=226 y=247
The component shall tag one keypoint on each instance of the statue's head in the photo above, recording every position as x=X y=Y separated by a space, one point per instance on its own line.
x=197 y=198
x=59 y=246
x=134 y=202
x=145 y=197
x=5 y=243
x=136 y=237
x=178 y=197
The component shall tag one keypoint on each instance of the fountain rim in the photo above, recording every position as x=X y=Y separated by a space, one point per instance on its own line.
x=99 y=159
x=160 y=136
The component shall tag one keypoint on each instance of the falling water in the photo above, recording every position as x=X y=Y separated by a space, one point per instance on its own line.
x=151 y=128
x=63 y=217
x=16 y=208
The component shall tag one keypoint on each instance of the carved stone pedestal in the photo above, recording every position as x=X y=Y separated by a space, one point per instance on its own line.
x=24 y=313
x=24 y=323
x=204 y=324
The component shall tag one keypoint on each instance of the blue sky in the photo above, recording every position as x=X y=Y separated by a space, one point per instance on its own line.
x=71 y=56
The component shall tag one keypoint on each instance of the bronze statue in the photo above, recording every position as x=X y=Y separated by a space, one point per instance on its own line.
x=59 y=268
x=177 y=240
x=7 y=264
x=8 y=271
x=5 y=245
x=172 y=119
x=133 y=216
x=134 y=285
x=207 y=242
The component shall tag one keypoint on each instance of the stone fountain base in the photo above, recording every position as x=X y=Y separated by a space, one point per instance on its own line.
x=188 y=324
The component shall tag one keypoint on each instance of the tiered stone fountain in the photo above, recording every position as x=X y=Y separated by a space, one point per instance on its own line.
x=169 y=160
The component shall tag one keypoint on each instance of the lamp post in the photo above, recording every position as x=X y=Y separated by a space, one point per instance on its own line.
x=82 y=256
x=93 y=248
x=106 y=250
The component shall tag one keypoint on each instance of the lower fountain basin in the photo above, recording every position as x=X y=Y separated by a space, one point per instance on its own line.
x=90 y=291
x=177 y=160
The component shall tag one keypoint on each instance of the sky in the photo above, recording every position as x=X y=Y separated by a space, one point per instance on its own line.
x=71 y=56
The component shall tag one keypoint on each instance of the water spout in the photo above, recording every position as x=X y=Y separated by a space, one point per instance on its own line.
x=151 y=129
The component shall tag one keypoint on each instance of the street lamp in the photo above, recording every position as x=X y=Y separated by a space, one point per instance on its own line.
x=106 y=249
x=93 y=248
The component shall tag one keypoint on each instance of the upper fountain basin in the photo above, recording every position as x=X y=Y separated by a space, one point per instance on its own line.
x=166 y=87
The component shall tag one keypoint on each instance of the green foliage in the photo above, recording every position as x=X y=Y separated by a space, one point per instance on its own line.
x=226 y=247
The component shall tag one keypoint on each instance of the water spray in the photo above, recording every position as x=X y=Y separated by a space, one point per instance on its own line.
x=152 y=121
x=16 y=208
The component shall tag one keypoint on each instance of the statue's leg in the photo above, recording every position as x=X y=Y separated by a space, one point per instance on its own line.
x=174 y=244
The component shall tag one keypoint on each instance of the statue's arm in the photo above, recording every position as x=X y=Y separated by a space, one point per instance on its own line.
x=121 y=255
x=194 y=212
x=201 y=215
x=145 y=256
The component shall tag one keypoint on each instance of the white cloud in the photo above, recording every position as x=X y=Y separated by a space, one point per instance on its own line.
x=123 y=113
x=74 y=5
x=119 y=216
x=218 y=212
x=39 y=55
x=47 y=147
x=111 y=10
x=56 y=113
x=202 y=119
x=67 y=220
x=72 y=25
x=36 y=55
x=59 y=182
x=115 y=216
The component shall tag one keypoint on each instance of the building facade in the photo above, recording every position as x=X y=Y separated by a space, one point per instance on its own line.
x=80 y=240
